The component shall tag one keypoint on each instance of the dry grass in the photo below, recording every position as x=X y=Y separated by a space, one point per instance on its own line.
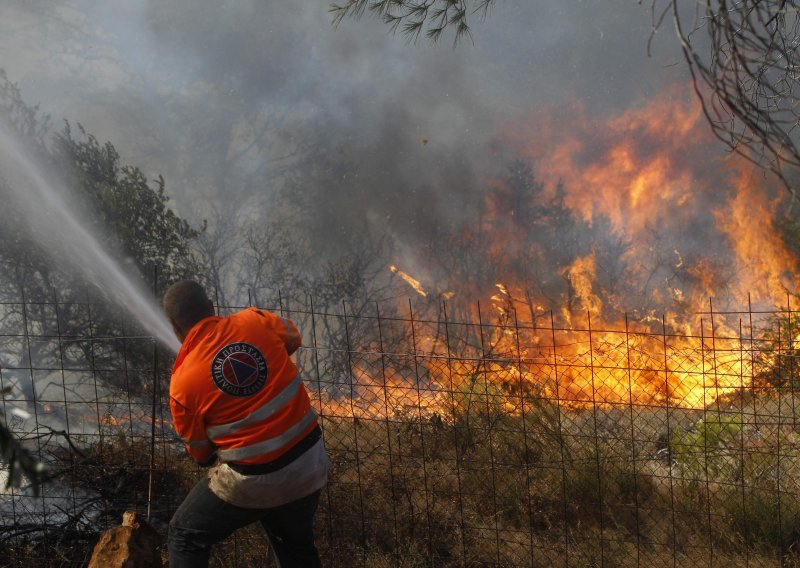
x=572 y=488
x=597 y=487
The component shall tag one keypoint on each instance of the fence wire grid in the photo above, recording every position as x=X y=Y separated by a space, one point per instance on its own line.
x=467 y=439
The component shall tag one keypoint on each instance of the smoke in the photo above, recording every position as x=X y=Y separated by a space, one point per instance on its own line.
x=352 y=133
x=176 y=85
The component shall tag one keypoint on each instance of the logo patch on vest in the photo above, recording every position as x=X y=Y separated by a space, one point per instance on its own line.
x=239 y=369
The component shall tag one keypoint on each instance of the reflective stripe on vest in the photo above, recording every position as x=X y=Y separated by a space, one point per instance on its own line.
x=265 y=411
x=272 y=444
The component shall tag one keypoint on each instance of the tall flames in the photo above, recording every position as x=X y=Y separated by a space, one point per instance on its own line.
x=658 y=231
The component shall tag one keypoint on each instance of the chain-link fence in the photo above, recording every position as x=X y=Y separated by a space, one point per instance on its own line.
x=468 y=439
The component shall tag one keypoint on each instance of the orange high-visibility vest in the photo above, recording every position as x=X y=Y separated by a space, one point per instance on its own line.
x=235 y=392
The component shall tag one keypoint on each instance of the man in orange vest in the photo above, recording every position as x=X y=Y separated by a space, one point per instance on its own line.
x=237 y=398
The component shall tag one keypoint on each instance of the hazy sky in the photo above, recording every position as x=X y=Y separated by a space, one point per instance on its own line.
x=224 y=98
x=174 y=83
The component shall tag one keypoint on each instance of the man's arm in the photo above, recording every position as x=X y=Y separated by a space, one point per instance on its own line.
x=192 y=431
x=285 y=329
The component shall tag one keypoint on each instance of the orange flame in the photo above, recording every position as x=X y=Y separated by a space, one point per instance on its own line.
x=691 y=227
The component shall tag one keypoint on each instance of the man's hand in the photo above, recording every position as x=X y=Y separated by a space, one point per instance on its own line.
x=209 y=462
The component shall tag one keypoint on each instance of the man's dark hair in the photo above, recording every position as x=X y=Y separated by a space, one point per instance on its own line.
x=186 y=302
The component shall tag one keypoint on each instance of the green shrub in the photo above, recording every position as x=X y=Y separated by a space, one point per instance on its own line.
x=705 y=452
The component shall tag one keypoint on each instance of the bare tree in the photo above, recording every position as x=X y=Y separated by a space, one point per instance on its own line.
x=745 y=64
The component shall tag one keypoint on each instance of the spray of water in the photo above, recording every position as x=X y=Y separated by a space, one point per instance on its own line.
x=54 y=223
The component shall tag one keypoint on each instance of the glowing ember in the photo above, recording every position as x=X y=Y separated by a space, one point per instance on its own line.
x=413 y=282
x=110 y=420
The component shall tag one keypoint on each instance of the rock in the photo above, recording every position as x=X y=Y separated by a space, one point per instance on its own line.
x=133 y=545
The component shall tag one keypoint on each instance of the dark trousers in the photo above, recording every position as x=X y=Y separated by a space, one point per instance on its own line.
x=204 y=519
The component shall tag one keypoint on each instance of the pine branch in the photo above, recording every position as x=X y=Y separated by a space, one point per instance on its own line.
x=413 y=18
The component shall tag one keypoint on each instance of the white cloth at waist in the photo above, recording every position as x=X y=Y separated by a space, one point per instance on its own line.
x=300 y=478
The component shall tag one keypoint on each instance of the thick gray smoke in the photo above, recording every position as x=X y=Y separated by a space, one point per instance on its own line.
x=255 y=112
x=216 y=96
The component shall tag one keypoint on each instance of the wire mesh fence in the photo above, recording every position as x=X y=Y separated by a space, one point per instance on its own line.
x=456 y=439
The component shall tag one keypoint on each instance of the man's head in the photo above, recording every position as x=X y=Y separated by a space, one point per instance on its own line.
x=185 y=304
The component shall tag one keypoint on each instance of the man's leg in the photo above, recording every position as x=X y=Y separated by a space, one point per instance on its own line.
x=202 y=520
x=290 y=529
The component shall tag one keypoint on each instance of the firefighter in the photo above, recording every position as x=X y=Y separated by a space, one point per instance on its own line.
x=237 y=400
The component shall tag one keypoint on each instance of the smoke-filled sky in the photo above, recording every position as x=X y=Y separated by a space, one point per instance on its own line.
x=232 y=101
x=179 y=85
